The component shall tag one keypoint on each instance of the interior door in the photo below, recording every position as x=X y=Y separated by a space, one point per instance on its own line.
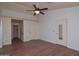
x=0 y=34
x=62 y=32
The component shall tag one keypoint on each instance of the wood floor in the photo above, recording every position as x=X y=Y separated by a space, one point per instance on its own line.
x=36 y=48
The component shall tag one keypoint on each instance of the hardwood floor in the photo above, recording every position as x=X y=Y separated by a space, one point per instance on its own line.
x=37 y=48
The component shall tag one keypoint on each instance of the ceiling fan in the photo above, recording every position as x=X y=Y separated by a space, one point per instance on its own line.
x=38 y=10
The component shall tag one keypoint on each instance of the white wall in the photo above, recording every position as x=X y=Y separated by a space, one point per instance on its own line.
x=73 y=32
x=1 y=37
x=17 y=14
x=48 y=25
x=6 y=26
x=31 y=30
x=34 y=30
x=0 y=12
x=30 y=25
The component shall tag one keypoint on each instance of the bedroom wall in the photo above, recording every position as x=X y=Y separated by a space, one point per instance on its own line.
x=48 y=25
x=0 y=12
x=17 y=14
x=6 y=26
x=31 y=30
x=73 y=31
x=30 y=22
x=1 y=33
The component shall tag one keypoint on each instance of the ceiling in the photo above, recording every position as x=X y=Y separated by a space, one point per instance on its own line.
x=49 y=5
x=22 y=6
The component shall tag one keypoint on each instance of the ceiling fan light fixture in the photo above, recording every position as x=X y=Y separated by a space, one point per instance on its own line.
x=37 y=12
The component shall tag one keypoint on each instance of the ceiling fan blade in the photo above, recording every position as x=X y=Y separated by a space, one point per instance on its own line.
x=35 y=6
x=34 y=14
x=42 y=13
x=44 y=9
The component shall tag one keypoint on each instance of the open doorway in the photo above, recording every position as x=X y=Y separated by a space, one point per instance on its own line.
x=17 y=31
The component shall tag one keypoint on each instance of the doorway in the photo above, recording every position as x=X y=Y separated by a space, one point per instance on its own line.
x=61 y=31
x=17 y=30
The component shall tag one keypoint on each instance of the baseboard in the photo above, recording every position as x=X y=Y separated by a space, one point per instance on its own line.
x=7 y=44
x=31 y=40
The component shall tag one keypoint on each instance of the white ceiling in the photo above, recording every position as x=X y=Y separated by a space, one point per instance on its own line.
x=22 y=6
x=49 y=5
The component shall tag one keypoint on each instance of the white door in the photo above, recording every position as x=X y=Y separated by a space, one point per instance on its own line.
x=61 y=32
x=0 y=34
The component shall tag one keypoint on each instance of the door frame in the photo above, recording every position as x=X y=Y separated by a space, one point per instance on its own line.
x=20 y=33
x=64 y=40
